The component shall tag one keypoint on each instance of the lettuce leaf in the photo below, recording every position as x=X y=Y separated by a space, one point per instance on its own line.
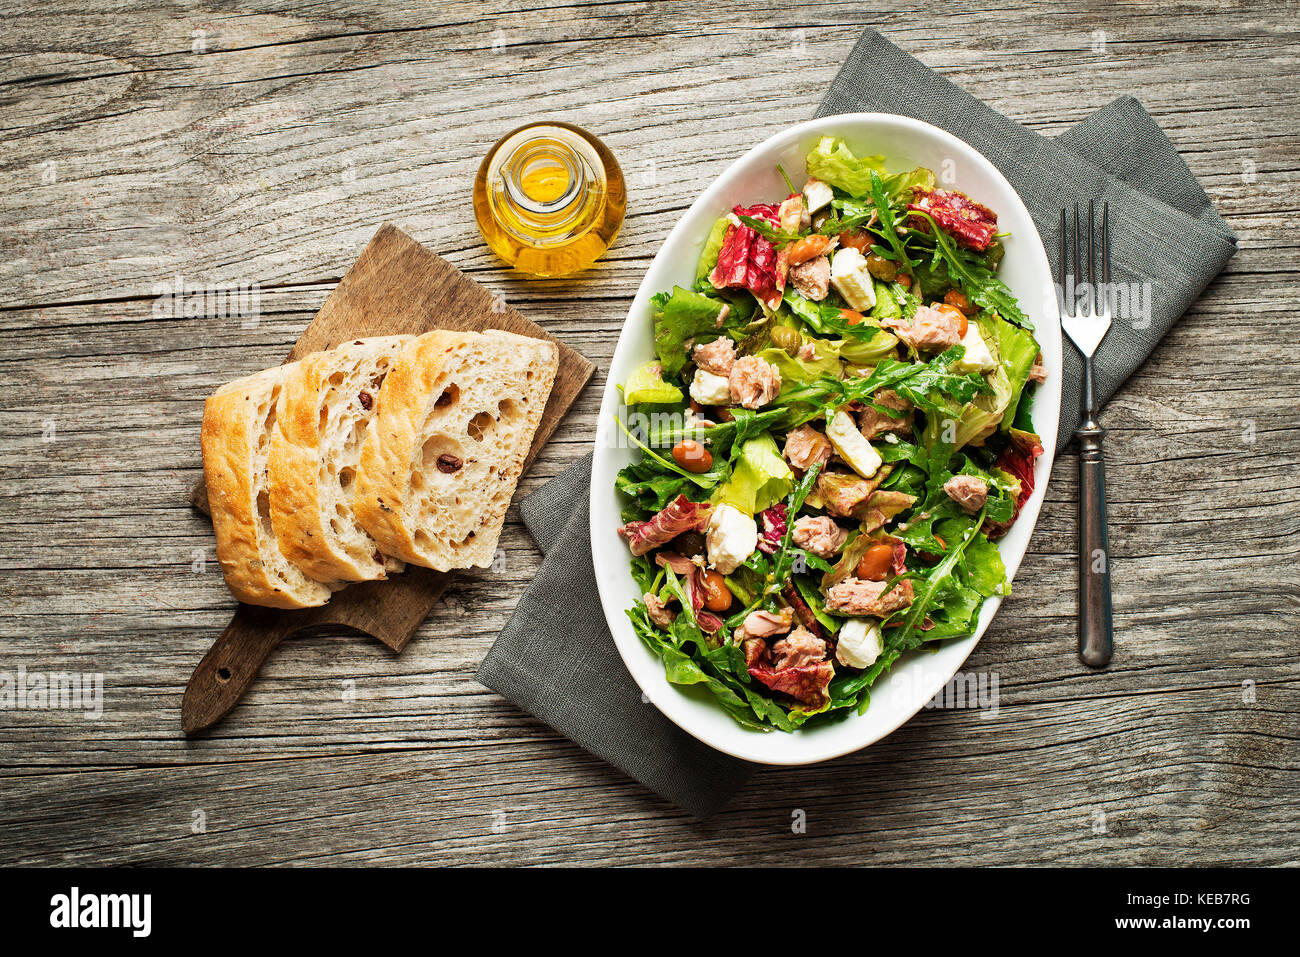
x=685 y=315
x=984 y=414
x=1016 y=348
x=759 y=479
x=831 y=161
x=898 y=183
x=796 y=371
x=712 y=246
x=647 y=385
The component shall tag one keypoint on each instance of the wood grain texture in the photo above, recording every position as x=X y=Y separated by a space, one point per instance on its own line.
x=273 y=156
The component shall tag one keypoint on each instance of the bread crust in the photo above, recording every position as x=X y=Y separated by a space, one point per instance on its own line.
x=231 y=426
x=392 y=449
x=297 y=501
x=383 y=479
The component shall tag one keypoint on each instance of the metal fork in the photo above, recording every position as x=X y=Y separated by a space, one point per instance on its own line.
x=1086 y=321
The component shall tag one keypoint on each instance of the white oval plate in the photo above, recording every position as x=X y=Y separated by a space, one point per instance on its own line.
x=904 y=690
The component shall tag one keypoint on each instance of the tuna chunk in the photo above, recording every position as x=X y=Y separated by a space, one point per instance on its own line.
x=968 y=491
x=812 y=278
x=929 y=331
x=805 y=447
x=660 y=614
x=856 y=596
x=875 y=423
x=819 y=535
x=717 y=356
x=1038 y=371
x=754 y=382
x=842 y=493
x=765 y=624
x=800 y=648
x=797 y=672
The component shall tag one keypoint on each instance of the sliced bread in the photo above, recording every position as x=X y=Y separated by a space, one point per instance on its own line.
x=453 y=425
x=238 y=420
x=325 y=410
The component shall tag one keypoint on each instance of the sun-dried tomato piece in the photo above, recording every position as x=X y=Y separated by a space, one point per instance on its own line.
x=973 y=224
x=1017 y=459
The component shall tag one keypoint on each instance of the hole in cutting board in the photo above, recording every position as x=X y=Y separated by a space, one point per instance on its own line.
x=223 y=674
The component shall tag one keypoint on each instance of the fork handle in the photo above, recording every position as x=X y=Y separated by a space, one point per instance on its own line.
x=1095 y=634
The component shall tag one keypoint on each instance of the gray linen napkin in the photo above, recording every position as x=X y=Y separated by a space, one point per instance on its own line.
x=556 y=659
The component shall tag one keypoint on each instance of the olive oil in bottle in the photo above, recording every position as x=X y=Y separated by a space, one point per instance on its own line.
x=549 y=199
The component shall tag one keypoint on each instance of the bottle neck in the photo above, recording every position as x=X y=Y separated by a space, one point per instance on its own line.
x=546 y=185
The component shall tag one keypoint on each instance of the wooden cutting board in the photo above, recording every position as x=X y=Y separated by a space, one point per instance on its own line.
x=396 y=286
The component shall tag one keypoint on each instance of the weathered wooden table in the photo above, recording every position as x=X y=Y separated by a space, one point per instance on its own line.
x=267 y=146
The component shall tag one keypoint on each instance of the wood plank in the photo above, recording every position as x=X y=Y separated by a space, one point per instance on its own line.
x=274 y=156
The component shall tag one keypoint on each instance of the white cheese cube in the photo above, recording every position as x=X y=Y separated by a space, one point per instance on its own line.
x=852 y=445
x=851 y=279
x=817 y=194
x=859 y=643
x=978 y=358
x=731 y=537
x=710 y=389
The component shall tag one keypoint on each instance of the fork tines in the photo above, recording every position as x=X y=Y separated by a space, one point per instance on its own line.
x=1085 y=303
x=1081 y=295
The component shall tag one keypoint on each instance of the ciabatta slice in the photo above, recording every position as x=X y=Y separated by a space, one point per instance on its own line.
x=237 y=423
x=440 y=462
x=326 y=407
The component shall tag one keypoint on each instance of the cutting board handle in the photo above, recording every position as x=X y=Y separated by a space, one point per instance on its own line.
x=231 y=664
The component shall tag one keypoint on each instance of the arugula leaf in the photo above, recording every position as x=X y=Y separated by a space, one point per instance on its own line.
x=784 y=559
x=918 y=382
x=709 y=669
x=887 y=228
x=980 y=283
x=915 y=614
x=703 y=479
x=777 y=237
x=812 y=597
x=649 y=488
x=829 y=320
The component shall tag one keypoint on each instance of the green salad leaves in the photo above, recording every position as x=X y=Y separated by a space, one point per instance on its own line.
x=868 y=471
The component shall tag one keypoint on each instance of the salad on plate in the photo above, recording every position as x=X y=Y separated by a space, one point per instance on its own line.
x=834 y=432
